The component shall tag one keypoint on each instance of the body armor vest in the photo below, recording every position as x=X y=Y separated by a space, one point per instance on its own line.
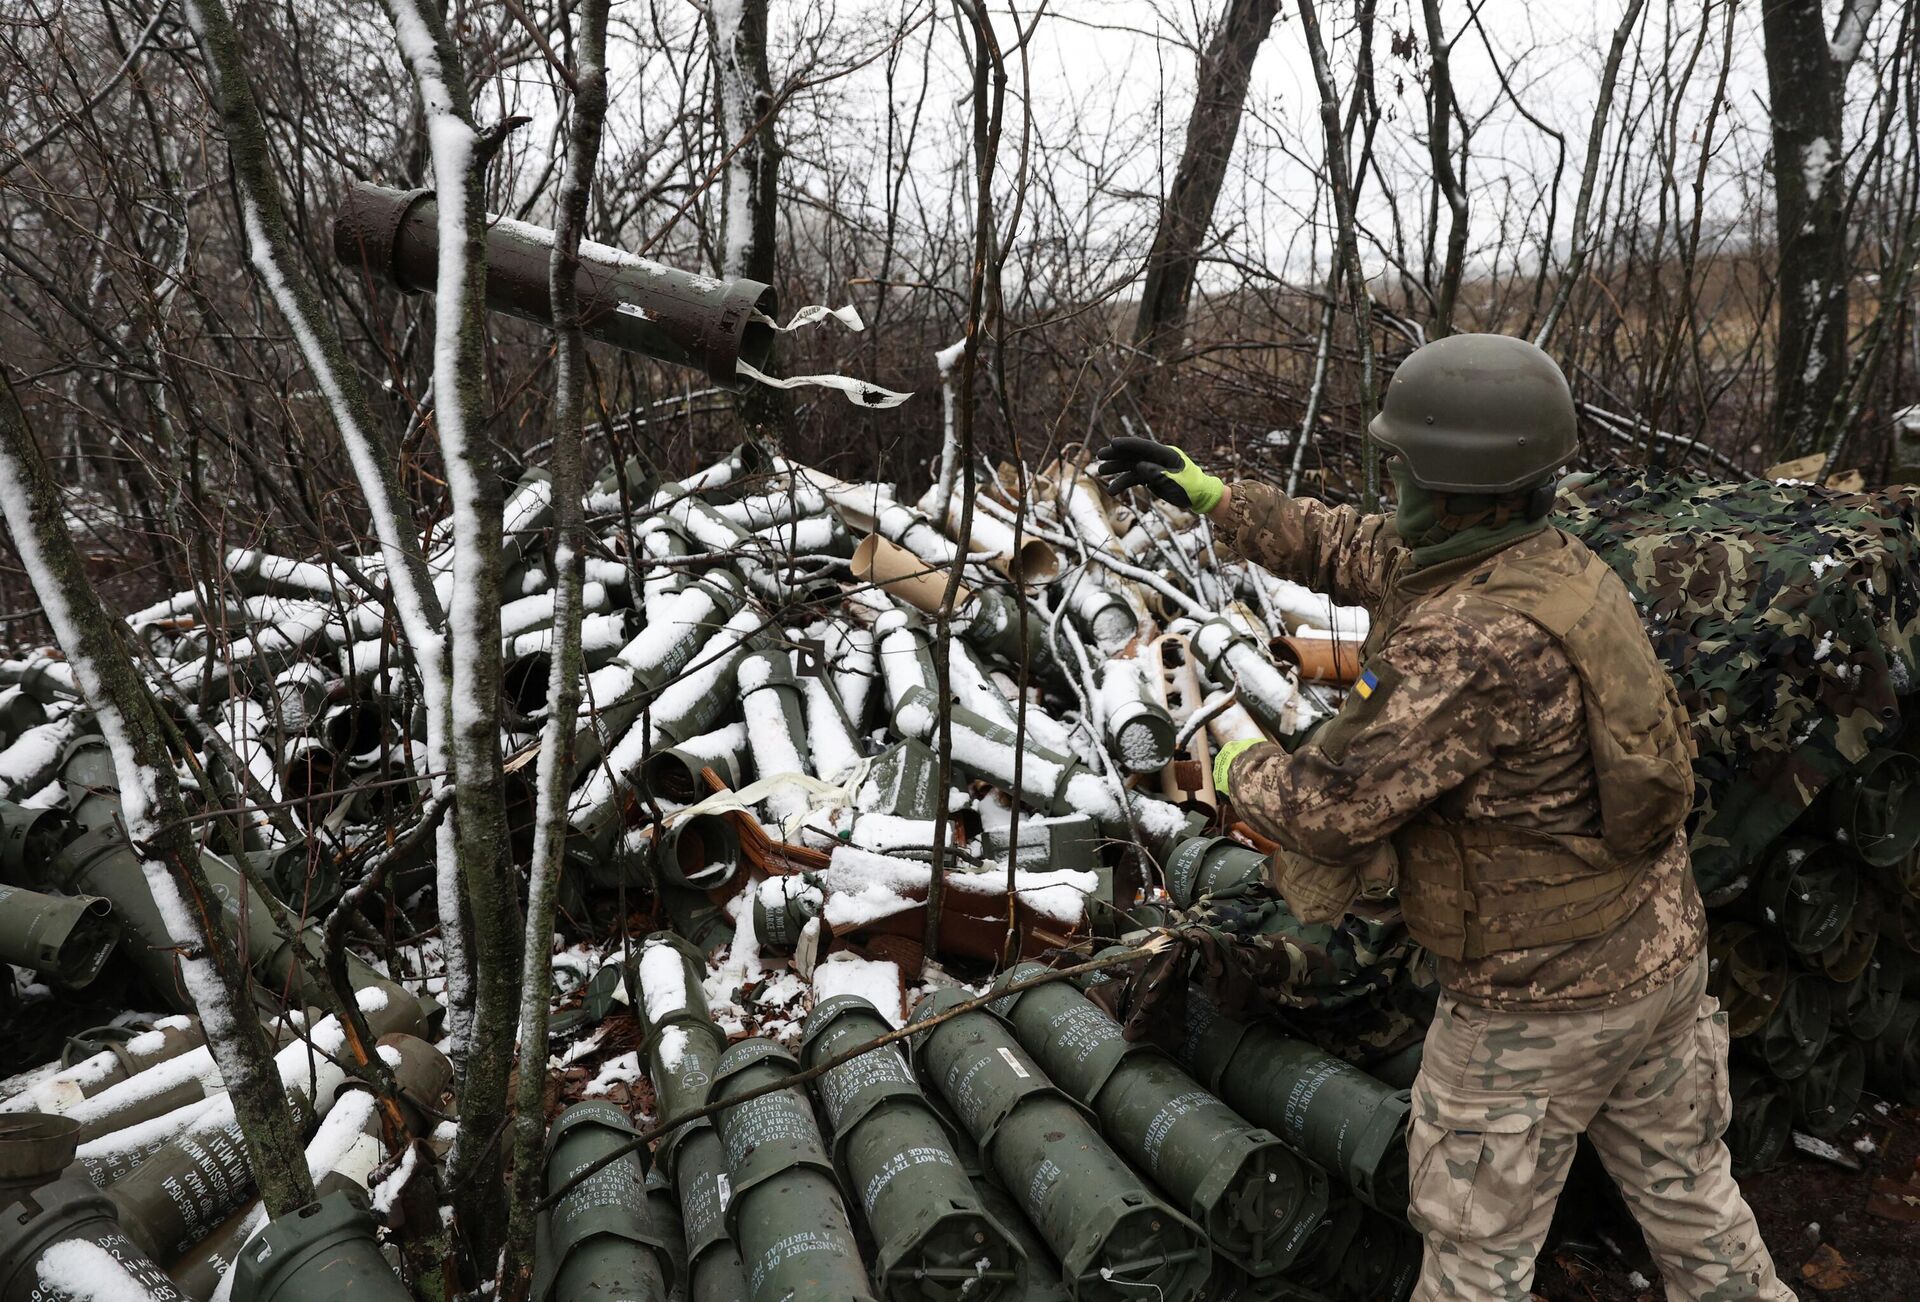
x=1469 y=889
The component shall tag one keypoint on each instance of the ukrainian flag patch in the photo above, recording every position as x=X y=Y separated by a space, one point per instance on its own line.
x=1363 y=685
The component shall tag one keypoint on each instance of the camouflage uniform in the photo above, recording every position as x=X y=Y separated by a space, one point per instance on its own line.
x=1478 y=716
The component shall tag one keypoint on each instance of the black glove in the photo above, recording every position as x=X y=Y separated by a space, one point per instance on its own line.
x=1160 y=468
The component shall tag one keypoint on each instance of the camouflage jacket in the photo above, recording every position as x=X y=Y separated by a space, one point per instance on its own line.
x=1481 y=719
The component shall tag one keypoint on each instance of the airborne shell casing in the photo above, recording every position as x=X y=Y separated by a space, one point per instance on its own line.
x=63 y=1209
x=1115 y=1239
x=634 y=304
x=65 y=938
x=935 y=1241
x=325 y=1249
x=1257 y=1200
x=786 y=1213
x=599 y=1240
x=1349 y=1122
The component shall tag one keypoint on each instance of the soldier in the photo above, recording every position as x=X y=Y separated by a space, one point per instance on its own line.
x=1517 y=746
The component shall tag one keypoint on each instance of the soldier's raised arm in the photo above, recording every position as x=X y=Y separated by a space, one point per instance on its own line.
x=1336 y=550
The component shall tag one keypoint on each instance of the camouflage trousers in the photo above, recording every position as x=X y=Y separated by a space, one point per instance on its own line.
x=1501 y=1099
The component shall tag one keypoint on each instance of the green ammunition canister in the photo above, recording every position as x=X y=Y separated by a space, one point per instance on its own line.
x=1798 y=1028
x=1893 y=1059
x=1867 y=1002
x=599 y=1240
x=1362 y=1256
x=1874 y=808
x=1257 y=1200
x=785 y=1213
x=65 y=938
x=935 y=1241
x=1040 y=1281
x=1827 y=1094
x=1335 y=1114
x=29 y=839
x=1761 y=1126
x=1210 y=865
x=663 y=1205
x=1115 y=1239
x=325 y=1249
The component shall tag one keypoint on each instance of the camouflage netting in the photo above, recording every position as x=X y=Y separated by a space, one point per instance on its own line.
x=1787 y=614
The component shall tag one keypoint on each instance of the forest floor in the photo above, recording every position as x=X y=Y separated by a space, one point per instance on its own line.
x=1813 y=1214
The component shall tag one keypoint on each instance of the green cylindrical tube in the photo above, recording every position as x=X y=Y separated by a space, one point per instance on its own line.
x=1116 y=1241
x=1041 y=1281
x=984 y=749
x=1875 y=808
x=18 y=712
x=1798 y=1028
x=1363 y=1256
x=1867 y=1002
x=69 y=1217
x=776 y=714
x=29 y=839
x=993 y=626
x=599 y=1239
x=1827 y=1094
x=782 y=908
x=1330 y=1111
x=1761 y=1127
x=673 y=772
x=1210 y=865
x=634 y=304
x=1256 y=1199
x=1233 y=658
x=1140 y=732
x=786 y=1212
x=325 y=1249
x=697 y=918
x=683 y=1049
x=1804 y=889
x=1893 y=1059
x=702 y=852
x=1070 y=842
x=65 y=938
x=935 y=1241
x=1746 y=974
x=663 y=1205
x=905 y=778
x=103 y=1057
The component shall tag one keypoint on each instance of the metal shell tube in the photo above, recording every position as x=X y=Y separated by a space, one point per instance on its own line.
x=993 y=626
x=1745 y=975
x=1798 y=1029
x=776 y=714
x=1115 y=1239
x=630 y=302
x=935 y=1240
x=29 y=838
x=683 y=1049
x=123 y=1051
x=1348 y=1122
x=67 y=1209
x=1827 y=1094
x=702 y=851
x=1761 y=1127
x=663 y=1206
x=1257 y=1200
x=1139 y=730
x=66 y=938
x=325 y=1249
x=1805 y=889
x=786 y=1213
x=1233 y=659
x=1210 y=865
x=673 y=773
x=984 y=749
x=1868 y=1002
x=599 y=1239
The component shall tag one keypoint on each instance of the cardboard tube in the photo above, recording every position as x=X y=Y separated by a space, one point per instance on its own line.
x=1034 y=565
x=1319 y=659
x=904 y=576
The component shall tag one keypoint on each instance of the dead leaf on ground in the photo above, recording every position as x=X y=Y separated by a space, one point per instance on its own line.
x=1827 y=1271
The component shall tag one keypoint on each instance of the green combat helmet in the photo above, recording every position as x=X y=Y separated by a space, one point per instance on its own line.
x=1478 y=414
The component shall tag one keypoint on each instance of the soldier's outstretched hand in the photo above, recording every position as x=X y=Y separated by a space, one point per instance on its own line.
x=1160 y=468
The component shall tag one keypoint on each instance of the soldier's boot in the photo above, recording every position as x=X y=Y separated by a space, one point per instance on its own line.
x=1503 y=1096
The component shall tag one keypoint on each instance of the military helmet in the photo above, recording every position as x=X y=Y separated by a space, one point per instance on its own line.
x=1478 y=414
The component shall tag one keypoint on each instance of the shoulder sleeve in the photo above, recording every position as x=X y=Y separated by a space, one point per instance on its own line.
x=1331 y=549
x=1429 y=713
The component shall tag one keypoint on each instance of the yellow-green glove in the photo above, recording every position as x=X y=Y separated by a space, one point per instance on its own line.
x=1160 y=468
x=1223 y=763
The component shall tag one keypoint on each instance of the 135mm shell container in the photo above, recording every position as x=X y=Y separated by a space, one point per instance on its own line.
x=1347 y=1121
x=935 y=1241
x=786 y=1212
x=1257 y=1200
x=1208 y=865
x=599 y=1240
x=65 y=938
x=683 y=1052
x=1115 y=1240
x=1761 y=1127
x=627 y=301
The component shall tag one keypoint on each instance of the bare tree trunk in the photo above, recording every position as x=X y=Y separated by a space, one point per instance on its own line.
x=750 y=181
x=460 y=156
x=1220 y=93
x=156 y=817
x=1440 y=152
x=1806 y=81
x=1346 y=237
x=555 y=774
